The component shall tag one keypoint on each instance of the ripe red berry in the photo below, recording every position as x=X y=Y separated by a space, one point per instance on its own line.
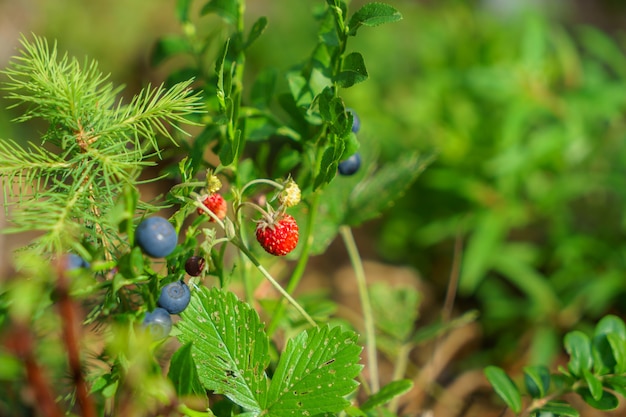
x=216 y=203
x=278 y=237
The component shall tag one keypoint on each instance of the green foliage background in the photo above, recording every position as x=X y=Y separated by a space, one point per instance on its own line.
x=525 y=111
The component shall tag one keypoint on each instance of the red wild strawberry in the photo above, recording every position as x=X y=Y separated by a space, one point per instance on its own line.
x=215 y=203
x=278 y=236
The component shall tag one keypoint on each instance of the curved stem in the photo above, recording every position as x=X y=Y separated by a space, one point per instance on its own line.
x=368 y=317
x=275 y=283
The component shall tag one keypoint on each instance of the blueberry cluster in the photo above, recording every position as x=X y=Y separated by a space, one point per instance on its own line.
x=351 y=165
x=157 y=238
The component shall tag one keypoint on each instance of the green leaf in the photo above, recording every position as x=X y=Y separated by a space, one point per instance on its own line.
x=314 y=373
x=607 y=401
x=504 y=387
x=537 y=380
x=373 y=14
x=594 y=384
x=227 y=9
x=167 y=47
x=578 y=346
x=353 y=70
x=230 y=347
x=395 y=309
x=379 y=191
x=616 y=383
x=431 y=331
x=560 y=409
x=257 y=30
x=183 y=373
x=387 y=393
x=328 y=165
x=609 y=345
x=182 y=10
x=618 y=348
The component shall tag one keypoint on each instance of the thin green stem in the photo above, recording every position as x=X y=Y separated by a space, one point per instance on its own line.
x=368 y=316
x=275 y=283
x=298 y=272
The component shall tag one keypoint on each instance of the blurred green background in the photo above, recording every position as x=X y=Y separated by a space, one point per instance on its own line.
x=523 y=104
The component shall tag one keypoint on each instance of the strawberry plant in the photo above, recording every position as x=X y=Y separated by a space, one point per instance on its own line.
x=189 y=302
x=80 y=188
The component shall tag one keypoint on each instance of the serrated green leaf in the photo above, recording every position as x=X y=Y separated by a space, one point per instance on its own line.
x=314 y=373
x=227 y=9
x=257 y=30
x=387 y=393
x=229 y=346
x=373 y=14
x=560 y=409
x=504 y=387
x=184 y=374
x=167 y=47
x=537 y=380
x=353 y=70
x=606 y=402
x=378 y=192
x=578 y=346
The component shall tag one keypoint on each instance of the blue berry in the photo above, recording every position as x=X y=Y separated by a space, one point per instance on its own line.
x=158 y=322
x=73 y=261
x=156 y=237
x=356 y=122
x=174 y=297
x=350 y=165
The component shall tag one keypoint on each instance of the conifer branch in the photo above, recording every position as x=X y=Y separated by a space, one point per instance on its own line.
x=101 y=144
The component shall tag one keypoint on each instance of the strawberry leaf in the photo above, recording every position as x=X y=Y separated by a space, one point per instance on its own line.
x=230 y=350
x=316 y=370
x=230 y=347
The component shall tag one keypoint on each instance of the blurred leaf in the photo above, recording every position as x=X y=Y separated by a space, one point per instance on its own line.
x=381 y=189
x=578 y=346
x=504 y=387
x=183 y=373
x=395 y=309
x=257 y=30
x=373 y=14
x=167 y=47
x=618 y=349
x=616 y=383
x=431 y=331
x=537 y=380
x=182 y=10
x=386 y=394
x=483 y=244
x=353 y=70
x=607 y=401
x=263 y=88
x=560 y=409
x=227 y=9
x=594 y=384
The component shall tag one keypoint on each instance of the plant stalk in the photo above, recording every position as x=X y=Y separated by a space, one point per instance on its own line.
x=368 y=316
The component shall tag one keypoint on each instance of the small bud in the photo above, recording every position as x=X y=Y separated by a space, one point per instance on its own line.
x=290 y=195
